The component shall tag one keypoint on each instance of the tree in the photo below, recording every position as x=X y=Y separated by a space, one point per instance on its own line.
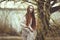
x=43 y=18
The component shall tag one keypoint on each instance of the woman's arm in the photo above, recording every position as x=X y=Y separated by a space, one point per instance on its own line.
x=23 y=22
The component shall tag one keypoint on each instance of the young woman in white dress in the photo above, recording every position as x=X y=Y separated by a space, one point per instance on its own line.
x=29 y=31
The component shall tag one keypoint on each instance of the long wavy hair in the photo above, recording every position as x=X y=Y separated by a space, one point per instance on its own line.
x=29 y=16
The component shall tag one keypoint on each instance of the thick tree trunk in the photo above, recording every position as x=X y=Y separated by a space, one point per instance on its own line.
x=43 y=18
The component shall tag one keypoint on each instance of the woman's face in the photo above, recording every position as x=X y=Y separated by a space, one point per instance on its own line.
x=31 y=9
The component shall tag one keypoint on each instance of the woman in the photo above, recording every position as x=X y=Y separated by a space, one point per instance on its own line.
x=29 y=31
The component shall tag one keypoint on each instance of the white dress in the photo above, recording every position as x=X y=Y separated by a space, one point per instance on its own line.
x=27 y=34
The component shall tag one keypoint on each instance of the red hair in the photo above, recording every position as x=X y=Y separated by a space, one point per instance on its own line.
x=30 y=16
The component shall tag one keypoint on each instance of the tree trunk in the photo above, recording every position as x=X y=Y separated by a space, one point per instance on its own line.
x=43 y=18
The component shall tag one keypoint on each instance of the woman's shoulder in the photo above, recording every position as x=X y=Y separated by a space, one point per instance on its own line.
x=24 y=18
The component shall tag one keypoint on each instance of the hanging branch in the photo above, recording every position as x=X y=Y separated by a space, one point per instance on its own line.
x=54 y=9
x=32 y=2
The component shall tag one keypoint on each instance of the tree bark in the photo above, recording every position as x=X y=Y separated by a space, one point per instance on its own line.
x=43 y=18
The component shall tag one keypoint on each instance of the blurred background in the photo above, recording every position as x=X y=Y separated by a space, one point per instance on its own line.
x=47 y=14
